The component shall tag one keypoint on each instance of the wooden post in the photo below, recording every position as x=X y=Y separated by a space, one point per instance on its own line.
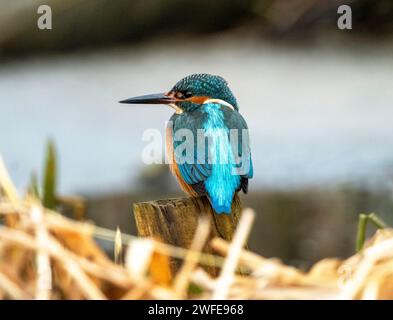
x=174 y=221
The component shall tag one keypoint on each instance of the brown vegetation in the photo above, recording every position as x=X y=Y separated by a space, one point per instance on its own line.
x=44 y=255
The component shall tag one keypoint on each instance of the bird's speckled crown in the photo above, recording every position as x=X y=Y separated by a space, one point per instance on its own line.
x=203 y=84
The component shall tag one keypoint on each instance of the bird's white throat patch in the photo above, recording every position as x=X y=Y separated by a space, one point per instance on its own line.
x=219 y=101
x=177 y=109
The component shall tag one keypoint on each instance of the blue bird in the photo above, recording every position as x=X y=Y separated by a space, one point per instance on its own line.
x=207 y=139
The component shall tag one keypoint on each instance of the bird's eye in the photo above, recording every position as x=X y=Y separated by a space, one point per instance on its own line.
x=187 y=94
x=183 y=94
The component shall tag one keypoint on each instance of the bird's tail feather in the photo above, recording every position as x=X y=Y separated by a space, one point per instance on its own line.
x=220 y=208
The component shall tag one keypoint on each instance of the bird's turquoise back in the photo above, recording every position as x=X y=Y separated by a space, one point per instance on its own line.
x=214 y=168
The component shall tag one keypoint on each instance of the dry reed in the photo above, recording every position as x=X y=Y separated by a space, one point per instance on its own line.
x=44 y=255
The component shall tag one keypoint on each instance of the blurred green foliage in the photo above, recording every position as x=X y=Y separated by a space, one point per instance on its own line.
x=33 y=187
x=49 y=183
x=46 y=192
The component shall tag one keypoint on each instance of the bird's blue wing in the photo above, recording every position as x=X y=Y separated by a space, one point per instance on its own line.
x=241 y=150
x=194 y=170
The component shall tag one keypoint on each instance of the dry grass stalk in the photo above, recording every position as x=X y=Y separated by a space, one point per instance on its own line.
x=239 y=239
x=138 y=257
x=110 y=273
x=62 y=224
x=260 y=267
x=118 y=247
x=6 y=184
x=371 y=255
x=12 y=289
x=53 y=248
x=44 y=271
x=44 y=255
x=191 y=259
x=268 y=279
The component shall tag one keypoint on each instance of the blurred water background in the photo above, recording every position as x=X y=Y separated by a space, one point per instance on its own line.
x=318 y=102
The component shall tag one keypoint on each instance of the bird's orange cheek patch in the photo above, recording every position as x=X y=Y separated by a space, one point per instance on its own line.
x=198 y=99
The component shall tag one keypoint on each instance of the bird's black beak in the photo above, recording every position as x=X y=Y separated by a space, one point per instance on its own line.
x=158 y=98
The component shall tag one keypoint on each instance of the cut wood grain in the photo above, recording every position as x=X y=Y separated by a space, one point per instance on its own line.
x=174 y=221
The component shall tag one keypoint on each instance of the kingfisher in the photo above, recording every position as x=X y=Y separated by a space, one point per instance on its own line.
x=207 y=140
